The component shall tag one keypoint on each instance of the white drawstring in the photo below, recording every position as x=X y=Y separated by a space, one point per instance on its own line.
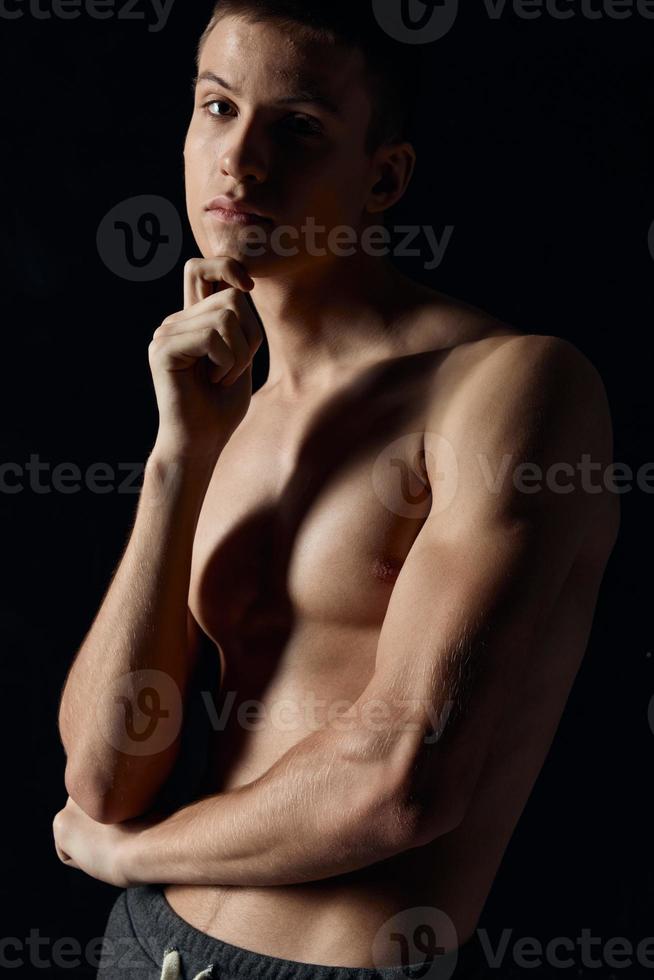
x=171 y=967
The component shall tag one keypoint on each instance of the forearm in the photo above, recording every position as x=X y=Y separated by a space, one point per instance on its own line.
x=141 y=625
x=320 y=811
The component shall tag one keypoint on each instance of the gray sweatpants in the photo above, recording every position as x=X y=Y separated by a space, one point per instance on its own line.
x=145 y=939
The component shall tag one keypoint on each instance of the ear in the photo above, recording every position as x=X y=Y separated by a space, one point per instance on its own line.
x=392 y=172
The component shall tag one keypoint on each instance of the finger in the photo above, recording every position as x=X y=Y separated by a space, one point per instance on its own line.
x=228 y=325
x=223 y=343
x=249 y=321
x=202 y=277
x=68 y=861
x=61 y=854
x=180 y=351
x=216 y=301
x=195 y=287
x=231 y=332
x=243 y=326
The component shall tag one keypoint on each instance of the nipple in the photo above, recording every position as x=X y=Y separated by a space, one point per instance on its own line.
x=386 y=569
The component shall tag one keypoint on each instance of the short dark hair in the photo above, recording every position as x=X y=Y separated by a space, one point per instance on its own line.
x=393 y=68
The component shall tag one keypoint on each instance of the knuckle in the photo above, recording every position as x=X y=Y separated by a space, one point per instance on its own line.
x=225 y=315
x=191 y=265
x=229 y=296
x=219 y=346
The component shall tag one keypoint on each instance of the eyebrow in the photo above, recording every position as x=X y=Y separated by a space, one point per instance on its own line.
x=304 y=96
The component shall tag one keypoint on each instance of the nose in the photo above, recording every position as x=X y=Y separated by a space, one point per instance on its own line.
x=243 y=157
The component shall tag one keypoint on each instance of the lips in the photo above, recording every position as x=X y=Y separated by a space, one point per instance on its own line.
x=226 y=207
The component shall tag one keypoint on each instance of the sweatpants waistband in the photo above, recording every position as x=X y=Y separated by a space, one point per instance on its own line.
x=159 y=929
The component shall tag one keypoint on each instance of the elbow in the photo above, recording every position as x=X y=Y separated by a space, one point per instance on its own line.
x=98 y=805
x=413 y=823
x=91 y=803
x=400 y=818
x=432 y=822
x=395 y=810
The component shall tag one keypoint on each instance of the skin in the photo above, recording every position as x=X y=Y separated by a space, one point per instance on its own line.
x=316 y=572
x=323 y=315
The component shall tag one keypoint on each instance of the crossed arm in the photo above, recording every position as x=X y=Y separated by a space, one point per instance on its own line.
x=477 y=586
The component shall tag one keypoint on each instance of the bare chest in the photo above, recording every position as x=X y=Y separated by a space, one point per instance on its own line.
x=305 y=527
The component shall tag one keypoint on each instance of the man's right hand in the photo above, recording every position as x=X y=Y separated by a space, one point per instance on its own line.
x=201 y=360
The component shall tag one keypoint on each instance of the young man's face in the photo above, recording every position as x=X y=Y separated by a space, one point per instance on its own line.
x=292 y=161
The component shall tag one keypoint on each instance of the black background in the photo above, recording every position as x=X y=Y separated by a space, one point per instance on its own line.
x=535 y=144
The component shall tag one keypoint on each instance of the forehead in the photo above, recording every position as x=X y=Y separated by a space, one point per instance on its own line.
x=264 y=59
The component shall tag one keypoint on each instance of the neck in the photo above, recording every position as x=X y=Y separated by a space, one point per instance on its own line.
x=329 y=321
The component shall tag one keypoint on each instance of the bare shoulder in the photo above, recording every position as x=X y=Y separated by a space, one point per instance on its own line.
x=542 y=401
x=528 y=360
x=481 y=349
x=492 y=364
x=533 y=373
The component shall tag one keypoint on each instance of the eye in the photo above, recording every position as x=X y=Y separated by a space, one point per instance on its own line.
x=312 y=128
x=214 y=102
x=306 y=126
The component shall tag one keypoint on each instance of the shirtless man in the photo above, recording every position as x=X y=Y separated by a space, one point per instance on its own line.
x=356 y=541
